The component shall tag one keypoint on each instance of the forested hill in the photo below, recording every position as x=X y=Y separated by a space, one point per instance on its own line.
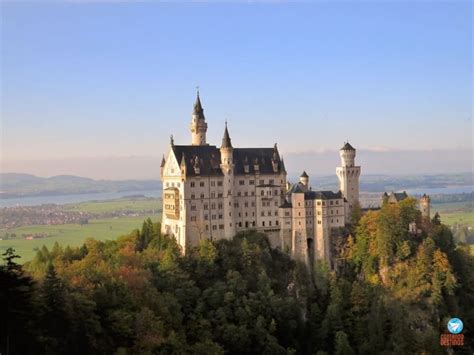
x=392 y=293
x=18 y=185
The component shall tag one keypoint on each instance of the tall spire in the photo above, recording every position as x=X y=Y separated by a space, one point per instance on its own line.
x=226 y=143
x=198 y=110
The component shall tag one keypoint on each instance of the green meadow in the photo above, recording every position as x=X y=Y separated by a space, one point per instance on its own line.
x=76 y=234
x=119 y=205
x=71 y=234
x=455 y=213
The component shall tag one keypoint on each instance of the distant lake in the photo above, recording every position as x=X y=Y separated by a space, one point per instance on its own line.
x=73 y=198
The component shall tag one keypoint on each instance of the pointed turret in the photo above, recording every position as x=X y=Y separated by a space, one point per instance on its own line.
x=163 y=161
x=226 y=143
x=198 y=110
x=198 y=125
x=162 y=167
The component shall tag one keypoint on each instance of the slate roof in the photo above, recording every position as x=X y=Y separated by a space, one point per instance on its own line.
x=198 y=110
x=226 y=143
x=395 y=196
x=322 y=195
x=304 y=175
x=209 y=159
x=347 y=146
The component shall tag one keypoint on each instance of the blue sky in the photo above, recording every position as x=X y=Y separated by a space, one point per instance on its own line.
x=87 y=79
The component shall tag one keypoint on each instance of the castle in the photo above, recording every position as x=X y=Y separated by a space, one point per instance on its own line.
x=212 y=192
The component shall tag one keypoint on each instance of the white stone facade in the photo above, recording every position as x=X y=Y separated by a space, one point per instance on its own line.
x=214 y=193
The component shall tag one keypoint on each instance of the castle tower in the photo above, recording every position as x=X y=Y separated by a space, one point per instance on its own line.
x=425 y=206
x=348 y=175
x=198 y=124
x=227 y=167
x=304 y=180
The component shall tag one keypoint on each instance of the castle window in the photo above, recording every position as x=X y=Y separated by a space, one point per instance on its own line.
x=272 y=181
x=213 y=206
x=206 y=217
x=193 y=183
x=201 y=184
x=240 y=214
x=263 y=214
x=251 y=182
x=221 y=226
x=240 y=224
x=262 y=182
x=178 y=184
x=246 y=204
x=172 y=184
x=263 y=223
x=220 y=216
x=253 y=193
x=213 y=183
x=253 y=203
x=332 y=220
x=319 y=222
x=276 y=213
x=246 y=193
x=299 y=214
x=299 y=204
x=318 y=203
x=193 y=218
x=167 y=184
x=193 y=196
x=337 y=202
x=246 y=214
x=337 y=220
x=219 y=195
x=270 y=223
x=214 y=228
x=299 y=223
x=262 y=193
x=269 y=213
x=324 y=203
x=236 y=204
x=276 y=203
x=253 y=214
x=238 y=194
x=276 y=222
x=219 y=183
x=276 y=192
x=193 y=207
x=213 y=216
x=202 y=196
x=207 y=227
x=220 y=206
x=253 y=223
x=332 y=202
x=287 y=214
x=241 y=182
x=206 y=206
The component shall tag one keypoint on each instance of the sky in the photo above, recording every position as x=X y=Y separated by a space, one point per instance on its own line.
x=109 y=81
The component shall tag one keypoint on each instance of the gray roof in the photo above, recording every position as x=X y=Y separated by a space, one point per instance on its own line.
x=198 y=110
x=322 y=195
x=304 y=175
x=226 y=143
x=209 y=158
x=347 y=146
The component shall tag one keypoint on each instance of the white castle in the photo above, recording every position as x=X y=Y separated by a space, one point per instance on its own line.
x=213 y=193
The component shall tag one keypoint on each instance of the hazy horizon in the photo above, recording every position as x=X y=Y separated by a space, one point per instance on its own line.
x=315 y=163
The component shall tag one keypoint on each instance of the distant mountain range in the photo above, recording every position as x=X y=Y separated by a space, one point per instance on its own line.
x=18 y=185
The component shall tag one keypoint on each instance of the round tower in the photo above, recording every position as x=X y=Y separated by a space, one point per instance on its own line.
x=425 y=206
x=198 y=124
x=348 y=175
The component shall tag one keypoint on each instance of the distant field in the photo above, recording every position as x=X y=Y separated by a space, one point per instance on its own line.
x=133 y=205
x=455 y=212
x=75 y=234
